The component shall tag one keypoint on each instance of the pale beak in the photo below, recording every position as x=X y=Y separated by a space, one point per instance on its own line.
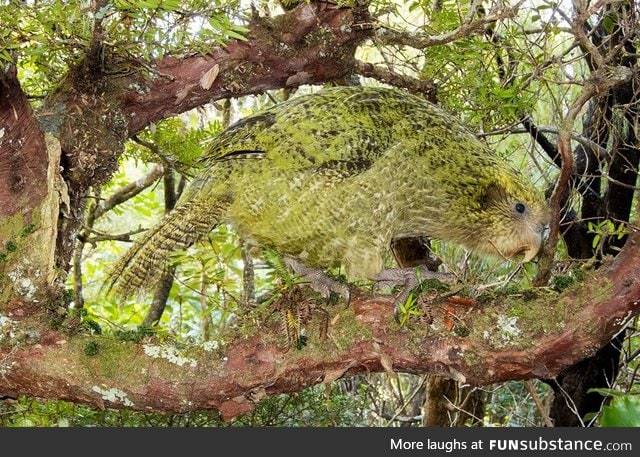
x=530 y=254
x=531 y=251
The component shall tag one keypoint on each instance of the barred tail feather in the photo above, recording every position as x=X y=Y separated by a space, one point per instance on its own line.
x=141 y=267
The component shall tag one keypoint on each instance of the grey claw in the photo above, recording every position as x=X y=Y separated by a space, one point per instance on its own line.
x=408 y=279
x=396 y=313
x=318 y=280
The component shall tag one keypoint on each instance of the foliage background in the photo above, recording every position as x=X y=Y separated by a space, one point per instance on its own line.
x=487 y=79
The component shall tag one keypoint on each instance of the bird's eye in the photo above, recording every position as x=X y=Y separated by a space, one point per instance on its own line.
x=520 y=208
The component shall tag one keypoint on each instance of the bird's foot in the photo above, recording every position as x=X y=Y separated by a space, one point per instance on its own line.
x=409 y=279
x=318 y=280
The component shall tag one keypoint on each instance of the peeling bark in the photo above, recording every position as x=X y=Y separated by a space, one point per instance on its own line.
x=31 y=192
x=310 y=44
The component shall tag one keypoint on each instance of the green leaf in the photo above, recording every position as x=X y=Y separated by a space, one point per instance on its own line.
x=606 y=392
x=6 y=56
x=171 y=5
x=622 y=412
x=235 y=35
x=609 y=23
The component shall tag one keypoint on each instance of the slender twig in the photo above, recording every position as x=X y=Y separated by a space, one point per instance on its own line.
x=248 y=296
x=78 y=297
x=398 y=418
x=461 y=408
x=171 y=163
x=413 y=85
x=578 y=26
x=549 y=147
x=536 y=399
x=128 y=191
x=113 y=237
x=408 y=400
x=469 y=26
x=562 y=184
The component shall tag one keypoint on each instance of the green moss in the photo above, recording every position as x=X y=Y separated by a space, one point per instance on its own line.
x=350 y=331
x=91 y=348
x=515 y=309
x=474 y=362
x=561 y=282
x=112 y=359
x=510 y=289
x=135 y=335
x=10 y=226
x=319 y=36
x=92 y=326
x=302 y=342
x=594 y=287
x=14 y=228
x=67 y=296
x=517 y=320
x=28 y=229
x=576 y=275
x=461 y=330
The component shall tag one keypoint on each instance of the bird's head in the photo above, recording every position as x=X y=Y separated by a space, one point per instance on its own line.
x=507 y=218
x=516 y=217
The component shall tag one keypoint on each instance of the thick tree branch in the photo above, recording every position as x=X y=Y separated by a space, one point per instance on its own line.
x=505 y=339
x=94 y=111
x=307 y=45
x=32 y=194
x=23 y=156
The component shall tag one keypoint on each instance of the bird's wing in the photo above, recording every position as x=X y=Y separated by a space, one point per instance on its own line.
x=342 y=130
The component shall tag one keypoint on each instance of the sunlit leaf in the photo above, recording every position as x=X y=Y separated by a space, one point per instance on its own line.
x=624 y=411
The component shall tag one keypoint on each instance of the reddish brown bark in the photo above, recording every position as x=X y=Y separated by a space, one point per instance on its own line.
x=363 y=339
x=311 y=44
x=99 y=105
x=23 y=157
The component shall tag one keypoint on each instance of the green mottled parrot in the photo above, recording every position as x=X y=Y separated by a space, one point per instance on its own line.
x=334 y=177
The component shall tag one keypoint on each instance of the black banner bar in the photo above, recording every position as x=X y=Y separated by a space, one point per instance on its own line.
x=300 y=442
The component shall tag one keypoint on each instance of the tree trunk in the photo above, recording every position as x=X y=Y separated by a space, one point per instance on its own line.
x=99 y=104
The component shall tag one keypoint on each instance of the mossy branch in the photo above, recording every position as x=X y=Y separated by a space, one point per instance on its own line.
x=508 y=338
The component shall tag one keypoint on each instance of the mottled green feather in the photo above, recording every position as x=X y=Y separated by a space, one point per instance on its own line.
x=334 y=176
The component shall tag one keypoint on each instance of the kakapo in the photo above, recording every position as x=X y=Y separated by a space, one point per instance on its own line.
x=334 y=177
